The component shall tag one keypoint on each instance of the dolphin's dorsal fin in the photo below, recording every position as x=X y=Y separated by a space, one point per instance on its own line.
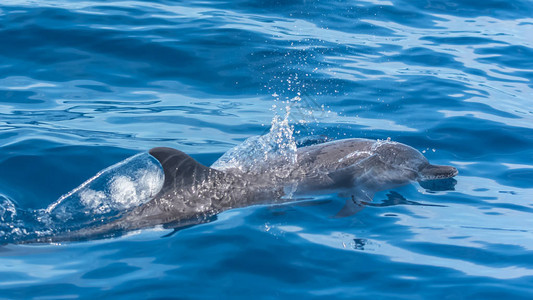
x=180 y=169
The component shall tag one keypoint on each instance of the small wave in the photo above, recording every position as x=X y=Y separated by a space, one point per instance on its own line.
x=122 y=186
x=108 y=194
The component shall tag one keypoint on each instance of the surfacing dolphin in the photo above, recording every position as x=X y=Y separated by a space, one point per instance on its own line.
x=193 y=193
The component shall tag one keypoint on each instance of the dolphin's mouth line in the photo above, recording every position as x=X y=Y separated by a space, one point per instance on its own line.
x=435 y=177
x=452 y=173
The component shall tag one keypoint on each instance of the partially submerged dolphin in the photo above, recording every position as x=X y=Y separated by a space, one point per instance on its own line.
x=193 y=193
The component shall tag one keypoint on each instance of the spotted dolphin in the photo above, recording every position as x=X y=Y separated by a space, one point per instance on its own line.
x=193 y=193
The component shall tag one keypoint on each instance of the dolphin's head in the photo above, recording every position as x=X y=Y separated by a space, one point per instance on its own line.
x=406 y=163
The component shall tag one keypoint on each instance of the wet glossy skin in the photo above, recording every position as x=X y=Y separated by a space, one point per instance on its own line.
x=192 y=193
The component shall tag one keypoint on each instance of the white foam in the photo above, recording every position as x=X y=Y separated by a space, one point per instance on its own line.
x=122 y=186
x=7 y=209
x=93 y=200
x=277 y=144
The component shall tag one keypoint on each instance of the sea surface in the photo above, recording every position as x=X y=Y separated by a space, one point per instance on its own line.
x=87 y=84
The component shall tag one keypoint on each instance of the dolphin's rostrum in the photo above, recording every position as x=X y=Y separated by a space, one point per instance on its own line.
x=193 y=193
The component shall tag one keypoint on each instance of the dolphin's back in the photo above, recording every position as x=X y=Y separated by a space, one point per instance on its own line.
x=334 y=155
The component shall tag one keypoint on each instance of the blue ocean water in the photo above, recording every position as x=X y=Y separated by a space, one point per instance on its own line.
x=84 y=85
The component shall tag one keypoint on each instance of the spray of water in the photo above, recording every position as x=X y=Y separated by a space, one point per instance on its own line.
x=108 y=194
x=278 y=144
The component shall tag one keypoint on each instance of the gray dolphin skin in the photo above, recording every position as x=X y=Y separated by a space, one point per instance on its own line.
x=193 y=193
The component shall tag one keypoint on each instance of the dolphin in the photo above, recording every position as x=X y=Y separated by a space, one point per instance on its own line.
x=193 y=193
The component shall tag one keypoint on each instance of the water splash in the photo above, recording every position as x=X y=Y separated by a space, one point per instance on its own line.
x=278 y=146
x=106 y=195
x=124 y=185
x=9 y=225
x=7 y=210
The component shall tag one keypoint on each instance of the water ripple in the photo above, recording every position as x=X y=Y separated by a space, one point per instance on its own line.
x=85 y=84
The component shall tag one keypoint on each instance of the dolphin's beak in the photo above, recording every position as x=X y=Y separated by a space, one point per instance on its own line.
x=432 y=172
